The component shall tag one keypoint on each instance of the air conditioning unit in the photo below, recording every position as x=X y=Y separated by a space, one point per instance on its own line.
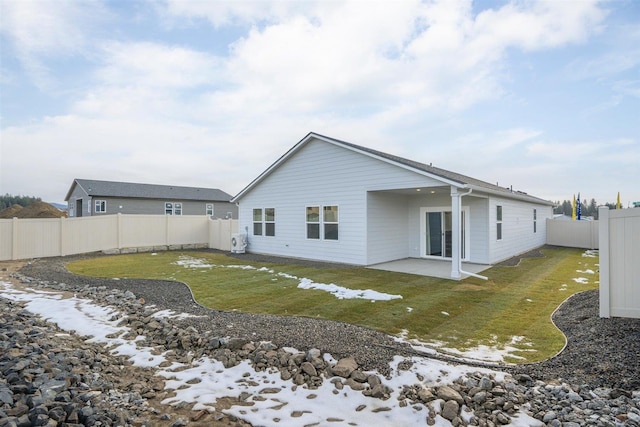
x=238 y=243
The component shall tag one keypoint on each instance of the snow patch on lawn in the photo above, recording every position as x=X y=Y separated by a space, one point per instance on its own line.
x=339 y=292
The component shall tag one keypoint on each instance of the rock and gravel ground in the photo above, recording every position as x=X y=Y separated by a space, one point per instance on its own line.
x=595 y=380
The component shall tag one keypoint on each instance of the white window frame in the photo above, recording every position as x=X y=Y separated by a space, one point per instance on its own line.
x=314 y=223
x=325 y=222
x=209 y=209
x=499 y=215
x=267 y=227
x=535 y=221
x=322 y=222
x=257 y=221
x=173 y=208
x=100 y=206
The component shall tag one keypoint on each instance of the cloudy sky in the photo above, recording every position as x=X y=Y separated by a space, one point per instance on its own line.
x=544 y=96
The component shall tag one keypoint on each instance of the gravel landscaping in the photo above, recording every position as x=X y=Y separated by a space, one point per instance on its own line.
x=595 y=380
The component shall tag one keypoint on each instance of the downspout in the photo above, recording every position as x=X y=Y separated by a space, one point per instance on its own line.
x=460 y=245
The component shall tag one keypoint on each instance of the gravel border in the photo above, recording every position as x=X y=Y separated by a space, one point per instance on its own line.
x=599 y=352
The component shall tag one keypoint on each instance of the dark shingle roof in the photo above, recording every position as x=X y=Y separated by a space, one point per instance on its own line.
x=98 y=188
x=443 y=173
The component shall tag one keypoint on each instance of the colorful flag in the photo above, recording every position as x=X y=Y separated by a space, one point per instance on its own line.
x=579 y=208
x=618 y=201
x=573 y=209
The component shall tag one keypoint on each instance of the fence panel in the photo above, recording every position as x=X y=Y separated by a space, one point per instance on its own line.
x=44 y=237
x=619 y=263
x=573 y=234
x=188 y=229
x=89 y=234
x=220 y=231
x=143 y=231
x=6 y=239
x=38 y=237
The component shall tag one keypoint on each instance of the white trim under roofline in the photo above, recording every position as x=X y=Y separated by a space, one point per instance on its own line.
x=312 y=135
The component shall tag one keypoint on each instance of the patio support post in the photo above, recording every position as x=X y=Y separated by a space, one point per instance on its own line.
x=455 y=234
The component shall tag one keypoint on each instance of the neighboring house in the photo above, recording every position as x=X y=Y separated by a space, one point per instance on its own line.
x=88 y=197
x=331 y=200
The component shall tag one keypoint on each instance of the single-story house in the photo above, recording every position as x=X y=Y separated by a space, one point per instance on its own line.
x=331 y=200
x=87 y=197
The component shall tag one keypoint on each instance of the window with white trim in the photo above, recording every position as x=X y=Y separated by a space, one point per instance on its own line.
x=325 y=227
x=269 y=222
x=264 y=222
x=535 y=221
x=330 y=222
x=499 y=222
x=100 y=206
x=209 y=209
x=313 y=222
x=171 y=208
x=257 y=222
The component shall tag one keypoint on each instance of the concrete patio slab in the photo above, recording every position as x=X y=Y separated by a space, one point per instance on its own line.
x=427 y=267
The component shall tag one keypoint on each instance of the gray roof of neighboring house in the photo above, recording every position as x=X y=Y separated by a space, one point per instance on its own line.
x=96 y=188
x=453 y=177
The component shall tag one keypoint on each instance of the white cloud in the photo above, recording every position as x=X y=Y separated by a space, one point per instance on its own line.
x=157 y=66
x=371 y=73
x=46 y=29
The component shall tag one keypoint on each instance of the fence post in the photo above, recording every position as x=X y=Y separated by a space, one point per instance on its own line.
x=605 y=291
x=14 y=238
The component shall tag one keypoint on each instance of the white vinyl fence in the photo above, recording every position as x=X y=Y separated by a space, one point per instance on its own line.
x=44 y=237
x=573 y=234
x=619 y=262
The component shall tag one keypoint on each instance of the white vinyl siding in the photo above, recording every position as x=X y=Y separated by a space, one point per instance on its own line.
x=517 y=233
x=376 y=223
x=321 y=174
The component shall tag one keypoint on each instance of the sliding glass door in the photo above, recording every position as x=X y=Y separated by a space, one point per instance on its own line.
x=437 y=233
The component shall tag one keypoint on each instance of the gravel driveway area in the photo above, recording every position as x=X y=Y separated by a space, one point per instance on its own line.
x=599 y=352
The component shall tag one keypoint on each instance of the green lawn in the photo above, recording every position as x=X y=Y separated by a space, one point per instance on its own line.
x=512 y=308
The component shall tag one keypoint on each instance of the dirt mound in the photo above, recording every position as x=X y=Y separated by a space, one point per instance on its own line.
x=10 y=212
x=34 y=210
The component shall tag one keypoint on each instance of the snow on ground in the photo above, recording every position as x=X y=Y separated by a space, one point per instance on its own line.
x=274 y=402
x=580 y=280
x=339 y=292
x=487 y=353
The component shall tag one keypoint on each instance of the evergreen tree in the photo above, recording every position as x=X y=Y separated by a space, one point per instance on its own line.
x=8 y=200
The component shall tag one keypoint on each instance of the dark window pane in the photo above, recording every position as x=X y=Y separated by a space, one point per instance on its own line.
x=313 y=231
x=257 y=229
x=270 y=229
x=499 y=230
x=331 y=231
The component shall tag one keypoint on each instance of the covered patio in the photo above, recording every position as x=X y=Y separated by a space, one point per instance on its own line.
x=428 y=267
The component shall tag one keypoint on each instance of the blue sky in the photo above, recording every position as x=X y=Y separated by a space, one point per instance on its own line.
x=541 y=96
